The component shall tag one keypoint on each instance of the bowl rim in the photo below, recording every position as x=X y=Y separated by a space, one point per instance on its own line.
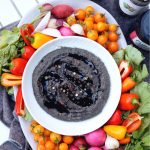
x=76 y=128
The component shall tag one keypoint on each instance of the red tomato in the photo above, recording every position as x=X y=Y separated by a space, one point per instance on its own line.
x=133 y=122
x=128 y=101
x=17 y=66
x=27 y=52
x=116 y=118
x=26 y=31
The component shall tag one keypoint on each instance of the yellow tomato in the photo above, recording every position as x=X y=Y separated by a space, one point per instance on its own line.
x=38 y=130
x=56 y=138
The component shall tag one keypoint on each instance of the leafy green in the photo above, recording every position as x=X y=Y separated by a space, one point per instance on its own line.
x=119 y=55
x=144 y=108
x=27 y=115
x=138 y=146
x=146 y=140
x=133 y=55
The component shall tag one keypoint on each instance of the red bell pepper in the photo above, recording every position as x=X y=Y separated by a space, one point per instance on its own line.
x=125 y=69
x=20 y=107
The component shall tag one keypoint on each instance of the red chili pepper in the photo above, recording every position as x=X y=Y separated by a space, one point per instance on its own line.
x=19 y=107
x=26 y=31
x=125 y=69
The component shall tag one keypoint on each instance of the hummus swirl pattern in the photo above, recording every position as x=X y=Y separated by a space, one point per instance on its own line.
x=71 y=84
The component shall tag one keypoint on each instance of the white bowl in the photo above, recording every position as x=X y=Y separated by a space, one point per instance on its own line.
x=64 y=127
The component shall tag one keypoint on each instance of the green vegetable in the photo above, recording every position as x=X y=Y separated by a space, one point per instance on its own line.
x=119 y=55
x=146 y=140
x=27 y=115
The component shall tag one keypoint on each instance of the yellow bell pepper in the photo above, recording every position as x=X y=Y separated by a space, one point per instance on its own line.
x=40 y=39
x=115 y=131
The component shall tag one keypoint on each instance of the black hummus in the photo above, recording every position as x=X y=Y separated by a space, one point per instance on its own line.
x=71 y=84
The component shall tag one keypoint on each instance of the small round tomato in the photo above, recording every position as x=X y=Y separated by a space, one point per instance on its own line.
x=49 y=145
x=101 y=26
x=98 y=17
x=95 y=26
x=113 y=36
x=47 y=132
x=27 y=52
x=38 y=130
x=116 y=118
x=92 y=34
x=36 y=137
x=40 y=147
x=41 y=140
x=90 y=18
x=89 y=10
x=112 y=47
x=88 y=25
x=126 y=140
x=80 y=14
x=113 y=27
x=102 y=39
x=17 y=66
x=56 y=138
x=132 y=122
x=63 y=146
x=68 y=139
x=33 y=125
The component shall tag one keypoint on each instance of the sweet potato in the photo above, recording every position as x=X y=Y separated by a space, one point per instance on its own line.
x=62 y=11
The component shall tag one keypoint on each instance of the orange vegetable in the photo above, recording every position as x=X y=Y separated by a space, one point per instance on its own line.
x=38 y=130
x=68 y=139
x=89 y=10
x=71 y=20
x=113 y=27
x=126 y=140
x=40 y=147
x=112 y=47
x=47 y=132
x=92 y=34
x=80 y=14
x=41 y=140
x=113 y=36
x=101 y=27
x=98 y=17
x=63 y=146
x=56 y=138
x=88 y=25
x=49 y=145
x=102 y=39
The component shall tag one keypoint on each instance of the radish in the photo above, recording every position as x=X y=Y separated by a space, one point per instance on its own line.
x=45 y=7
x=72 y=147
x=80 y=143
x=78 y=29
x=65 y=31
x=94 y=148
x=55 y=23
x=96 y=138
x=51 y=32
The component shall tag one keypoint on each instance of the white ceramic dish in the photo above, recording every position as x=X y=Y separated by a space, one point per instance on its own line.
x=76 y=4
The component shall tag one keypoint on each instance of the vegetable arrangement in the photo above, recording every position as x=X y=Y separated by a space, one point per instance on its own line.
x=129 y=125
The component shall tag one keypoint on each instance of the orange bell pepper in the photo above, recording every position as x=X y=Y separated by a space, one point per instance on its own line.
x=115 y=131
x=8 y=79
x=40 y=39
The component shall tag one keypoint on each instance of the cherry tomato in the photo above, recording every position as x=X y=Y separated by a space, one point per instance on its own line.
x=113 y=36
x=27 y=52
x=126 y=140
x=113 y=27
x=49 y=145
x=63 y=146
x=26 y=31
x=68 y=139
x=17 y=66
x=92 y=34
x=101 y=26
x=80 y=14
x=102 y=39
x=89 y=10
x=129 y=101
x=41 y=140
x=98 y=17
x=116 y=118
x=133 y=122
x=38 y=130
x=113 y=47
x=56 y=138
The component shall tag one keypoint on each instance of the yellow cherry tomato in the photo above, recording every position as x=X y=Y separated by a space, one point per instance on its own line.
x=63 y=146
x=38 y=130
x=56 y=138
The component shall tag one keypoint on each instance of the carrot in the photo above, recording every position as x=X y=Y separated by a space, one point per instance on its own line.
x=126 y=140
x=128 y=84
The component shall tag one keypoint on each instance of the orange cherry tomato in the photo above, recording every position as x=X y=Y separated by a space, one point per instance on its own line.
x=133 y=122
x=47 y=132
x=88 y=25
x=102 y=39
x=40 y=147
x=80 y=14
x=68 y=139
x=41 y=140
x=33 y=125
x=113 y=27
x=112 y=47
x=36 y=137
x=90 y=18
x=126 y=140
x=38 y=130
x=105 y=33
x=56 y=138
x=101 y=26
x=95 y=27
x=89 y=10
x=113 y=36
x=92 y=34
x=98 y=17
x=63 y=146
x=49 y=145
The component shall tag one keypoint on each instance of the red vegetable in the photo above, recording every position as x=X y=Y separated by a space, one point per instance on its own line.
x=80 y=143
x=125 y=69
x=116 y=118
x=128 y=84
x=26 y=31
x=133 y=122
x=126 y=140
x=19 y=106
x=129 y=101
x=27 y=52
x=17 y=66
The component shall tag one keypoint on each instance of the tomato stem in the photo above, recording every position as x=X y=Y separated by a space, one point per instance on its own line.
x=135 y=101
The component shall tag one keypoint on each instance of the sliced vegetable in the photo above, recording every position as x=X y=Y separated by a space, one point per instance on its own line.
x=26 y=31
x=78 y=29
x=45 y=7
x=71 y=20
x=126 y=140
x=8 y=79
x=111 y=143
x=129 y=101
x=62 y=11
x=115 y=131
x=43 y=23
x=55 y=23
x=125 y=69
x=40 y=39
x=51 y=32
x=96 y=138
x=27 y=52
x=19 y=106
x=17 y=66
x=116 y=118
x=133 y=122
x=66 y=31
x=128 y=84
